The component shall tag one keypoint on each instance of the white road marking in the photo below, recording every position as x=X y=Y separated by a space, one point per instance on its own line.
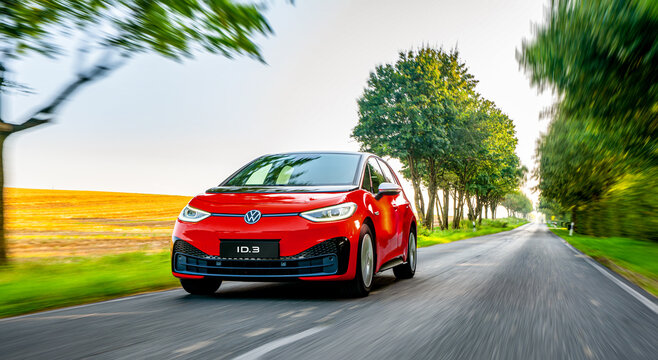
x=193 y=347
x=74 y=307
x=476 y=264
x=287 y=313
x=81 y=316
x=258 y=332
x=648 y=303
x=304 y=312
x=264 y=349
x=329 y=316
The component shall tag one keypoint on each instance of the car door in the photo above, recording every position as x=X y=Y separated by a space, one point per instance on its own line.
x=398 y=203
x=382 y=213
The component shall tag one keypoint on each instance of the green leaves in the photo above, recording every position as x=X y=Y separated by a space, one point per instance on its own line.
x=409 y=107
x=600 y=57
x=172 y=28
x=423 y=110
x=517 y=202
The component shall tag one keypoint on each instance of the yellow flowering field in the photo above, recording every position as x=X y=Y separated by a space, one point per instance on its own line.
x=71 y=223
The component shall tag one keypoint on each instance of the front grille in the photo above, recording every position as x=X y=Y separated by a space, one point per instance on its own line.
x=324 y=248
x=321 y=259
x=184 y=247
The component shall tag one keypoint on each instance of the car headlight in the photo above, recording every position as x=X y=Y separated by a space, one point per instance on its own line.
x=190 y=214
x=331 y=213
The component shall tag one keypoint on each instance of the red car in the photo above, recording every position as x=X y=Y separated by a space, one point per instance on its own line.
x=330 y=216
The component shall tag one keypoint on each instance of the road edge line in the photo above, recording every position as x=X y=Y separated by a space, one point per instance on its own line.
x=603 y=270
x=272 y=345
x=116 y=299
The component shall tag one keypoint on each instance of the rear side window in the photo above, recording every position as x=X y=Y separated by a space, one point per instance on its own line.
x=388 y=174
x=376 y=174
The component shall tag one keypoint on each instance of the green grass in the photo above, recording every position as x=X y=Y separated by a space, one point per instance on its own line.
x=428 y=238
x=636 y=260
x=28 y=285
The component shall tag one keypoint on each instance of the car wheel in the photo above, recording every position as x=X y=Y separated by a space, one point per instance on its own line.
x=365 y=265
x=200 y=286
x=408 y=269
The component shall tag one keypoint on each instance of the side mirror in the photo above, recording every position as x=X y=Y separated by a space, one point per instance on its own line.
x=387 y=188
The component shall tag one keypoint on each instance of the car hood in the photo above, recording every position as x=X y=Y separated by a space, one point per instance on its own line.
x=265 y=202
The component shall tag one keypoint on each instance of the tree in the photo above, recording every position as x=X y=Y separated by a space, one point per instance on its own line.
x=598 y=159
x=423 y=110
x=112 y=32
x=600 y=57
x=495 y=168
x=517 y=203
x=410 y=110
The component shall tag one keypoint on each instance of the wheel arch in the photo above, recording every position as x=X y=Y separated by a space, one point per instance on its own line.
x=368 y=221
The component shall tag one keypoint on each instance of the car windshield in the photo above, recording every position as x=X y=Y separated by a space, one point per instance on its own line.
x=298 y=170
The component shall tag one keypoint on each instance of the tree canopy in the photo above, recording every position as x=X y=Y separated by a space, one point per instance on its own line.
x=424 y=111
x=108 y=33
x=600 y=58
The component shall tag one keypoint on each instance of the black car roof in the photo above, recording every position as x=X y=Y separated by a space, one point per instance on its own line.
x=324 y=152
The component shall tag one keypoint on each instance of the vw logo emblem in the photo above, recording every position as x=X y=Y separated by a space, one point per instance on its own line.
x=252 y=216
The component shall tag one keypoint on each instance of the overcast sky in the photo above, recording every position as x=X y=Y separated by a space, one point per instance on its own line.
x=157 y=126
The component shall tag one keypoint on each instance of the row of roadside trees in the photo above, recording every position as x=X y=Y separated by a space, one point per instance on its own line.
x=423 y=110
x=598 y=161
x=517 y=204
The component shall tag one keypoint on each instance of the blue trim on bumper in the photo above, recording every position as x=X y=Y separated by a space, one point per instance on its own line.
x=323 y=265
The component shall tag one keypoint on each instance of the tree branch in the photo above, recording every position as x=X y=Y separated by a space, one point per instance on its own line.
x=2 y=85
x=45 y=114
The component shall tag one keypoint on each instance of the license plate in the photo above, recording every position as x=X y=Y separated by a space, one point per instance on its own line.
x=249 y=249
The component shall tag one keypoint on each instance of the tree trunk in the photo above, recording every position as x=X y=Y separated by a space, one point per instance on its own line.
x=439 y=207
x=454 y=208
x=3 y=239
x=446 y=199
x=460 y=212
x=479 y=211
x=471 y=207
x=431 y=191
x=418 y=195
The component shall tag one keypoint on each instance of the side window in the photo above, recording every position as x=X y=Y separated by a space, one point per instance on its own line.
x=366 y=180
x=388 y=174
x=375 y=174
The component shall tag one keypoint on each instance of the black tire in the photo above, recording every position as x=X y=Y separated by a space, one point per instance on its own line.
x=200 y=286
x=358 y=287
x=408 y=269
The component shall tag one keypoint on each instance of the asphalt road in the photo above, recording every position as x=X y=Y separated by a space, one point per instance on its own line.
x=521 y=294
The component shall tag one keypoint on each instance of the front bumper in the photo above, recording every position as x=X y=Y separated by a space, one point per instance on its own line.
x=330 y=257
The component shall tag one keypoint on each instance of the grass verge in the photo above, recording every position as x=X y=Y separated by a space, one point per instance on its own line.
x=633 y=259
x=28 y=285
x=428 y=238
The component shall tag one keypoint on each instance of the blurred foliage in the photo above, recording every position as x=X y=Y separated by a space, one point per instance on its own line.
x=552 y=209
x=109 y=32
x=600 y=56
x=29 y=286
x=423 y=110
x=598 y=157
x=172 y=28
